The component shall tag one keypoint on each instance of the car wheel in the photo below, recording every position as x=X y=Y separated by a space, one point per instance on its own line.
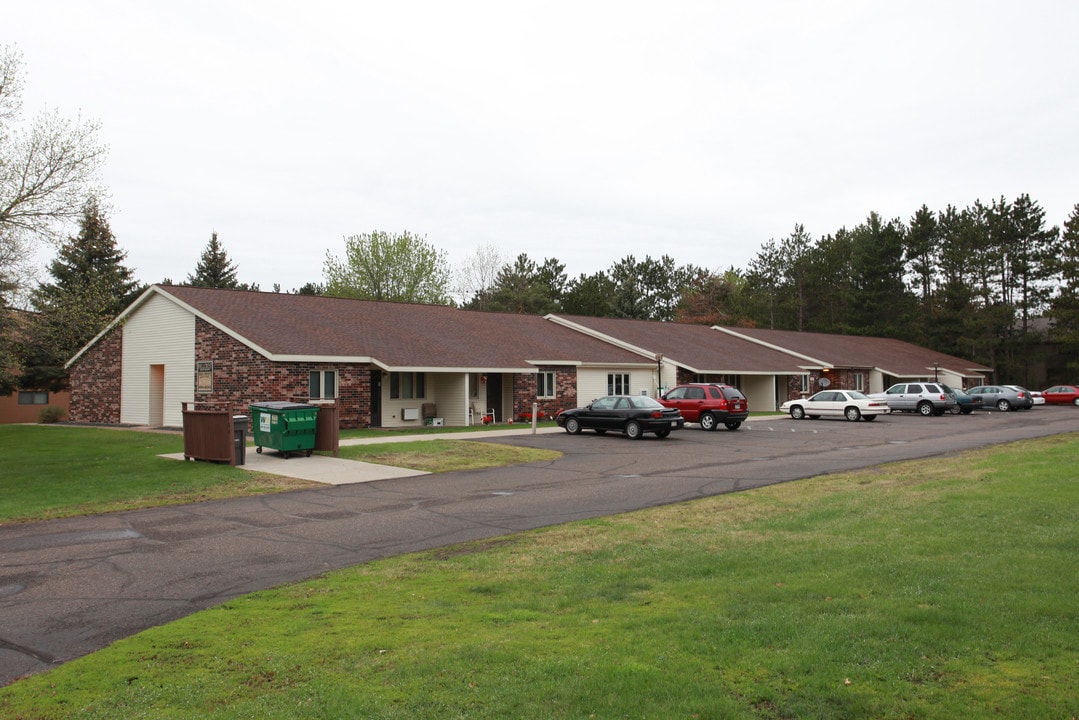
x=798 y=412
x=708 y=421
x=925 y=409
x=1004 y=405
x=733 y=425
x=662 y=433
x=955 y=409
x=853 y=414
x=573 y=426
x=633 y=430
x=1075 y=402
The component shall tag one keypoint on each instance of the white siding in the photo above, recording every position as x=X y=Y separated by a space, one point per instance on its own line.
x=760 y=392
x=158 y=333
x=592 y=382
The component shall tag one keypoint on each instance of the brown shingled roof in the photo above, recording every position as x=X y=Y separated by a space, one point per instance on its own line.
x=893 y=357
x=397 y=335
x=695 y=347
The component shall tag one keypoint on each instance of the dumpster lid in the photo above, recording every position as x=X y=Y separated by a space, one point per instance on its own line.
x=284 y=405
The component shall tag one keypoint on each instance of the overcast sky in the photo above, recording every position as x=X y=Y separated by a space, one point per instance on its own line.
x=584 y=131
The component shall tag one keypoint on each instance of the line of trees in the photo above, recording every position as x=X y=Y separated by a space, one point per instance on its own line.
x=986 y=282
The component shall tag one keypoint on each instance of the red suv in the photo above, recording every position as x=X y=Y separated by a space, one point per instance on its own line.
x=709 y=404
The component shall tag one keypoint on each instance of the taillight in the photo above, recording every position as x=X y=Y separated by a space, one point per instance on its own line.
x=657 y=414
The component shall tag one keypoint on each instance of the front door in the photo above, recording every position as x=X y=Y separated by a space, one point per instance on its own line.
x=494 y=396
x=376 y=398
x=156 y=416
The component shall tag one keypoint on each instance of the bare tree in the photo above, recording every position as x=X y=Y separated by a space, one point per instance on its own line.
x=478 y=275
x=49 y=166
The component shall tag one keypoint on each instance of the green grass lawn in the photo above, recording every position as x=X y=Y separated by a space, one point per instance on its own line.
x=61 y=471
x=942 y=588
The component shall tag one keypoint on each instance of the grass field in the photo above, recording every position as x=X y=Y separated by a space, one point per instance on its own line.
x=61 y=471
x=943 y=588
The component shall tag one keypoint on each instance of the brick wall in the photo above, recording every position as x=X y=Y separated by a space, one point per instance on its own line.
x=524 y=392
x=243 y=376
x=95 y=382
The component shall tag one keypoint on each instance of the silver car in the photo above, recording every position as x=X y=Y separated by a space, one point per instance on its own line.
x=1002 y=397
x=924 y=398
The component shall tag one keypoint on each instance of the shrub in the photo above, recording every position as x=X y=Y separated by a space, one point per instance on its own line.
x=50 y=414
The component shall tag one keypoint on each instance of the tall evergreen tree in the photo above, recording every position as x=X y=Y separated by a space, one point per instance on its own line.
x=1064 y=307
x=525 y=287
x=923 y=242
x=881 y=304
x=90 y=286
x=214 y=269
x=588 y=295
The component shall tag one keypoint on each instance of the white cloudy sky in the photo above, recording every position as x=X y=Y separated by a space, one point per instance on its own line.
x=585 y=131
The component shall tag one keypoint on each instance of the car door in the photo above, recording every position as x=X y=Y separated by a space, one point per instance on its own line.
x=896 y=397
x=600 y=415
x=823 y=403
x=690 y=405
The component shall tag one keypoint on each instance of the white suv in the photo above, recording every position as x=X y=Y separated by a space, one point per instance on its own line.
x=924 y=398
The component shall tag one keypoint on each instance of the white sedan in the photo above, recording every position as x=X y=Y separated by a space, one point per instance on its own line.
x=850 y=404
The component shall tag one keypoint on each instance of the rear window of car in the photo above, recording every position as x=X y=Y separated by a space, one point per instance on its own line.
x=733 y=393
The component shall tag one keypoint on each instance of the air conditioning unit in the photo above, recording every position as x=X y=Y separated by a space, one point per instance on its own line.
x=410 y=413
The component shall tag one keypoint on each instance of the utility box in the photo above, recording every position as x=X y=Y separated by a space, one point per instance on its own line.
x=284 y=426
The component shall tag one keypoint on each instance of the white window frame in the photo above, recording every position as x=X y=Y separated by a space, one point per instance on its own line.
x=408 y=386
x=618 y=384
x=859 y=381
x=803 y=385
x=545 y=387
x=321 y=388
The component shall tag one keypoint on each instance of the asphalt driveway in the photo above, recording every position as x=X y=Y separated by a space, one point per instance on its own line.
x=69 y=587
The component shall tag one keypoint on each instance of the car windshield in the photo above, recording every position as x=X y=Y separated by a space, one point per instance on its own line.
x=643 y=401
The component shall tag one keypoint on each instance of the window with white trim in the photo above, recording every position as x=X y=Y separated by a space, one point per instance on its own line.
x=407 y=385
x=323 y=385
x=545 y=385
x=618 y=384
x=803 y=386
x=859 y=381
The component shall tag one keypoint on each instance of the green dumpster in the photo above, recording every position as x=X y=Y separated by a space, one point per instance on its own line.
x=284 y=426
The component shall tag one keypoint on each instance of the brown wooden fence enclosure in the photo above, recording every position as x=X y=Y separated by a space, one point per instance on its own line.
x=208 y=435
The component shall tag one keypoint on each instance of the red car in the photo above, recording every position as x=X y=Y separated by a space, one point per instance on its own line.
x=710 y=404
x=1061 y=395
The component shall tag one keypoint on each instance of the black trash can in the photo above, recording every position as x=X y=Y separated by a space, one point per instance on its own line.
x=239 y=437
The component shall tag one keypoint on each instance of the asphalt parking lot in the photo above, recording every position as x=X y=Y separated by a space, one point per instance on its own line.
x=70 y=587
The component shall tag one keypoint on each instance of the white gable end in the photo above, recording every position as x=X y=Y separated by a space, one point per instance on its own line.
x=158 y=367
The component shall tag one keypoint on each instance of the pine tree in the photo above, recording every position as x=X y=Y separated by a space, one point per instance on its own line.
x=1064 y=308
x=91 y=285
x=214 y=269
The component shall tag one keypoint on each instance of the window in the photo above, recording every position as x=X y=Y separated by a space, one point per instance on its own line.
x=33 y=397
x=323 y=385
x=406 y=385
x=804 y=384
x=618 y=383
x=545 y=385
x=859 y=382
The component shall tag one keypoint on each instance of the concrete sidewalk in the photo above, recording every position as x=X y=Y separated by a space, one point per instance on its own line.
x=338 y=471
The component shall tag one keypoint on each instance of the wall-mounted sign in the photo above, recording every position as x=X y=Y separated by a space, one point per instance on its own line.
x=204 y=376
